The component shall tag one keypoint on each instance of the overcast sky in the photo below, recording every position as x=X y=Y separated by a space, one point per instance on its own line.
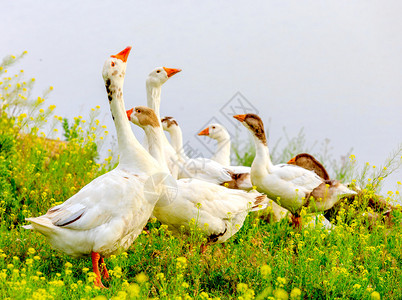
x=331 y=67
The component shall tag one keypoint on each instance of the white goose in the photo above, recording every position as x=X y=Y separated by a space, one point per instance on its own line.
x=204 y=168
x=218 y=211
x=222 y=154
x=291 y=186
x=106 y=215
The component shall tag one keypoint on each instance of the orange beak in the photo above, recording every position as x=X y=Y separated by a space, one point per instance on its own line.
x=204 y=132
x=292 y=161
x=171 y=72
x=129 y=112
x=123 y=55
x=241 y=118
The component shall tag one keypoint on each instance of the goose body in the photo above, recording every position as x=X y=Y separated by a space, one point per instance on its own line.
x=289 y=185
x=103 y=217
x=222 y=154
x=218 y=211
x=203 y=168
x=381 y=209
x=107 y=214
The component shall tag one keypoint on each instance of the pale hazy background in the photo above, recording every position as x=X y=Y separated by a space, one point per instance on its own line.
x=332 y=67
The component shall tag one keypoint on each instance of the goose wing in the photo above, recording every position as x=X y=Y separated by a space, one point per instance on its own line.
x=204 y=169
x=105 y=198
x=297 y=176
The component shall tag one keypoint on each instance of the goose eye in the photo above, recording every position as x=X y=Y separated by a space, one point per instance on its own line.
x=112 y=64
x=137 y=110
x=213 y=127
x=158 y=71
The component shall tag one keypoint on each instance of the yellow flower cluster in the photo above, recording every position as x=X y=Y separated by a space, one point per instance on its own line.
x=245 y=292
x=181 y=263
x=266 y=271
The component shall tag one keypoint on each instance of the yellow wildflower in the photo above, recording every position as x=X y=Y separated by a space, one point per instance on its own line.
x=242 y=287
x=160 y=276
x=266 y=271
x=281 y=294
x=88 y=288
x=181 y=262
x=3 y=275
x=281 y=281
x=204 y=295
x=141 y=278
x=295 y=293
x=133 y=290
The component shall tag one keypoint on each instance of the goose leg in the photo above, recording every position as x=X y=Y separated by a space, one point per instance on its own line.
x=95 y=260
x=104 y=272
x=203 y=248
x=297 y=221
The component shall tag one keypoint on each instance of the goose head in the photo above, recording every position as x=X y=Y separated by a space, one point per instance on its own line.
x=216 y=132
x=169 y=123
x=254 y=124
x=160 y=75
x=114 y=68
x=143 y=116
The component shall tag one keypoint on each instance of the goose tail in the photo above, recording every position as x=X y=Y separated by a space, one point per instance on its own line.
x=261 y=202
x=40 y=224
x=345 y=191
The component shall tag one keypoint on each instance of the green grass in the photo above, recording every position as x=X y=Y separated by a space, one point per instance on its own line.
x=262 y=261
x=349 y=262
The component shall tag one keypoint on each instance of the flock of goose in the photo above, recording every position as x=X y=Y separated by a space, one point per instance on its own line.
x=107 y=215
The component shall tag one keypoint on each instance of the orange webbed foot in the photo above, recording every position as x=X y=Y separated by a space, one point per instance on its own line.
x=98 y=283
x=297 y=222
x=104 y=272
x=95 y=260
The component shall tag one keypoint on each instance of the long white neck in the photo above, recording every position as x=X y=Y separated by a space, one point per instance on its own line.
x=262 y=162
x=154 y=102
x=222 y=153
x=155 y=144
x=176 y=138
x=132 y=155
x=154 y=98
